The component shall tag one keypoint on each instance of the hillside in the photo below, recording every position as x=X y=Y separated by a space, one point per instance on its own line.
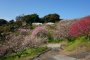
x=38 y=35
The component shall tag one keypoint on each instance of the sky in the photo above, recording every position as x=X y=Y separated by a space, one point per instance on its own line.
x=67 y=9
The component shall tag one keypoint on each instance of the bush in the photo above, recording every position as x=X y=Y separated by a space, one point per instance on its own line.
x=39 y=31
x=80 y=27
x=61 y=29
x=40 y=35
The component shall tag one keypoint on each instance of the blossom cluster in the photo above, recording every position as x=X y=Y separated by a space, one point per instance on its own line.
x=80 y=27
x=38 y=30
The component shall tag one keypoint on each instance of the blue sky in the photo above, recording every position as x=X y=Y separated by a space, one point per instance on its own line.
x=67 y=9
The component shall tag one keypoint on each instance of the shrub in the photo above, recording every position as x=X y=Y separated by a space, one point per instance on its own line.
x=80 y=27
x=39 y=34
x=39 y=31
x=62 y=29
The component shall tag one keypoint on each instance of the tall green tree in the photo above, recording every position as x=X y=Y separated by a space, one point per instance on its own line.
x=11 y=21
x=3 y=22
x=51 y=18
x=28 y=19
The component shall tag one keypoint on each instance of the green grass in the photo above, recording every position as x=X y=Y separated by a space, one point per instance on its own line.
x=54 y=41
x=30 y=52
x=81 y=41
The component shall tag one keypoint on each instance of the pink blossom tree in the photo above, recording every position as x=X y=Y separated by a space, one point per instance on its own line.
x=39 y=30
x=80 y=27
x=40 y=34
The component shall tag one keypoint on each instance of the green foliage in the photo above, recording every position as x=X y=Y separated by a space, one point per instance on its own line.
x=10 y=27
x=17 y=24
x=11 y=21
x=81 y=41
x=29 y=52
x=2 y=22
x=42 y=20
x=51 y=18
x=6 y=29
x=70 y=39
x=54 y=41
x=28 y=19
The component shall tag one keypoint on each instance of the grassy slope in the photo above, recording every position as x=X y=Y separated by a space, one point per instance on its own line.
x=78 y=43
x=30 y=52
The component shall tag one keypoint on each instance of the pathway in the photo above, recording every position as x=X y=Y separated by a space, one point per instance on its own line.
x=54 y=54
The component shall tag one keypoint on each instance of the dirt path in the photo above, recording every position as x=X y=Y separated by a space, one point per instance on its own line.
x=53 y=54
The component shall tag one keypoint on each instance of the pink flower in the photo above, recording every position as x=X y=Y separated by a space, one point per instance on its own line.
x=38 y=30
x=80 y=27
